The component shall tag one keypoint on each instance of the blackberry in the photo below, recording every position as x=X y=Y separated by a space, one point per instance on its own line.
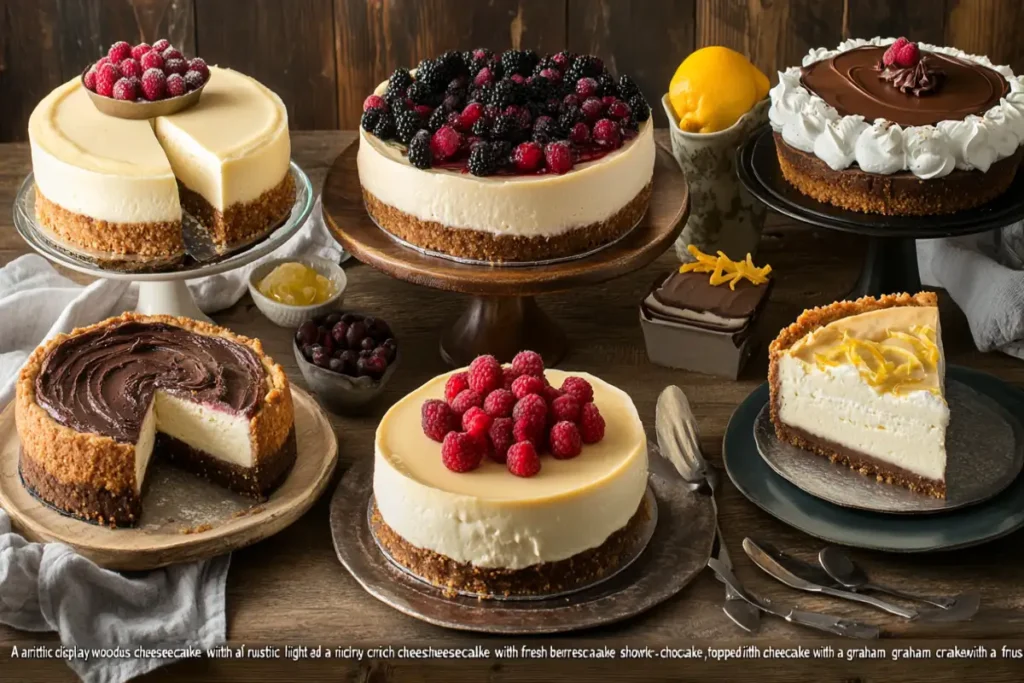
x=570 y=117
x=406 y=125
x=519 y=62
x=452 y=65
x=606 y=85
x=385 y=128
x=584 y=65
x=437 y=119
x=421 y=92
x=545 y=63
x=545 y=130
x=481 y=94
x=431 y=72
x=484 y=159
x=457 y=87
x=541 y=89
x=629 y=124
x=481 y=128
x=505 y=92
x=504 y=126
x=400 y=81
x=395 y=99
x=638 y=105
x=370 y=119
x=420 y=155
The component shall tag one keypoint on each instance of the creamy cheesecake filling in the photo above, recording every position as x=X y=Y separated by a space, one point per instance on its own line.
x=144 y=447
x=223 y=435
x=492 y=519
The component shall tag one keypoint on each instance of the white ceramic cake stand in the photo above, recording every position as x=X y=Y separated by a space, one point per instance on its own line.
x=165 y=291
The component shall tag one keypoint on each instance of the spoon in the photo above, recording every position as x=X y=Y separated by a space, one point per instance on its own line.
x=840 y=567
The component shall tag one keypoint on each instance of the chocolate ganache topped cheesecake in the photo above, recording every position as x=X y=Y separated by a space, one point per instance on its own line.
x=95 y=406
x=895 y=127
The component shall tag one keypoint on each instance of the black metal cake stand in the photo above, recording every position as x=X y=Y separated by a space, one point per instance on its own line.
x=891 y=261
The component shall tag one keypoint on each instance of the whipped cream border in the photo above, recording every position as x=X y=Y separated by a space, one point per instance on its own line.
x=809 y=124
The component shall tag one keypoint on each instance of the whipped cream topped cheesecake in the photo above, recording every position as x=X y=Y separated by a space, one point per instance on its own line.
x=510 y=157
x=901 y=128
x=862 y=383
x=477 y=493
x=94 y=407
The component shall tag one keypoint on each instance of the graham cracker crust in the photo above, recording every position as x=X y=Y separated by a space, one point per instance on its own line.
x=484 y=246
x=540 y=579
x=898 y=194
x=242 y=223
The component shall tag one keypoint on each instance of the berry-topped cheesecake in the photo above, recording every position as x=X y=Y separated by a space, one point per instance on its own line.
x=510 y=480
x=896 y=127
x=506 y=157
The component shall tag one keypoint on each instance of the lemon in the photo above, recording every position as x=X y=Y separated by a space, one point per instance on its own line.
x=713 y=88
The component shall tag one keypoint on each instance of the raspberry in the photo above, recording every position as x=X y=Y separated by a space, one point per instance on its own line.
x=483 y=77
x=607 y=134
x=525 y=385
x=889 y=56
x=485 y=375
x=176 y=85
x=586 y=87
x=908 y=55
x=553 y=75
x=199 y=64
x=500 y=435
x=171 y=53
x=460 y=452
x=522 y=460
x=125 y=90
x=580 y=133
x=551 y=394
x=437 y=419
x=559 y=157
x=608 y=100
x=130 y=68
x=578 y=387
x=154 y=84
x=455 y=385
x=445 y=143
x=531 y=404
x=90 y=79
x=591 y=423
x=175 y=66
x=619 y=110
x=140 y=49
x=592 y=108
x=193 y=79
x=529 y=428
x=508 y=376
x=119 y=52
x=465 y=400
x=100 y=62
x=470 y=115
x=528 y=157
x=499 y=403
x=161 y=45
x=565 y=441
x=570 y=101
x=528 y=363
x=565 y=409
x=105 y=79
x=151 y=60
x=475 y=421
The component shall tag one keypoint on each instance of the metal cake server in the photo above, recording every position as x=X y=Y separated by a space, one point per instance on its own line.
x=679 y=445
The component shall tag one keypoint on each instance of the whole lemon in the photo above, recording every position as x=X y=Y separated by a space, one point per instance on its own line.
x=713 y=88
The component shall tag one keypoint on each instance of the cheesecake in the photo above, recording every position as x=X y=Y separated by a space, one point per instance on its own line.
x=862 y=383
x=94 y=407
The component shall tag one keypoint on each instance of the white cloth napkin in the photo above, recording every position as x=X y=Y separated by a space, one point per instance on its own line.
x=985 y=276
x=50 y=587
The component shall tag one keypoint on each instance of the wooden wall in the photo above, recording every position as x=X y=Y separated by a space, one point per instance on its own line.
x=324 y=56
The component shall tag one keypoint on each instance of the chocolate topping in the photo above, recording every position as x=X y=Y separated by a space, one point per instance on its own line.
x=693 y=291
x=917 y=80
x=103 y=381
x=850 y=83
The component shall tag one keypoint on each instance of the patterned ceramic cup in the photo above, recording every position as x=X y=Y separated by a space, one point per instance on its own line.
x=723 y=215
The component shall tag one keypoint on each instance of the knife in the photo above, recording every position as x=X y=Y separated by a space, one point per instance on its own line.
x=776 y=570
x=828 y=623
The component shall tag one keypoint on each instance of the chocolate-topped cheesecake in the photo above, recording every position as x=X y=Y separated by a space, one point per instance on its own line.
x=94 y=406
x=900 y=128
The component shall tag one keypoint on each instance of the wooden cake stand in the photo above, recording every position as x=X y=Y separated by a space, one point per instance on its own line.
x=503 y=317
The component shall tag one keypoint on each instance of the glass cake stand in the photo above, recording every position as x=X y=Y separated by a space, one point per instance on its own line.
x=891 y=262
x=164 y=291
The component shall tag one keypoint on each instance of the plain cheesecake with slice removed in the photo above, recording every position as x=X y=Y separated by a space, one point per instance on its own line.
x=862 y=383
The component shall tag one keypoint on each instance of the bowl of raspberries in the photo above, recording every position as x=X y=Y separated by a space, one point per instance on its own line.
x=144 y=81
x=511 y=415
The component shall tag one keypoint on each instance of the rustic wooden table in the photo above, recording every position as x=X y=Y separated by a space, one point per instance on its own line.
x=292 y=590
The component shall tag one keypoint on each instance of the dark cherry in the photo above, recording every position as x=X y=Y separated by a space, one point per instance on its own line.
x=368 y=344
x=329 y=345
x=321 y=357
x=307 y=332
x=338 y=332
x=332 y=319
x=307 y=351
x=356 y=333
x=379 y=330
x=389 y=349
x=336 y=365
x=374 y=366
x=348 y=359
x=349 y=318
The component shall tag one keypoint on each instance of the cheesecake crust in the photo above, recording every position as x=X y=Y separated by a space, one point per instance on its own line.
x=540 y=579
x=898 y=194
x=245 y=222
x=92 y=476
x=484 y=246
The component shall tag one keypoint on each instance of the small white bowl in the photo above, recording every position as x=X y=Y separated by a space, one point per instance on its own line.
x=286 y=315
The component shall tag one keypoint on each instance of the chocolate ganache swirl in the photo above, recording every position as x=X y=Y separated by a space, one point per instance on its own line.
x=103 y=381
x=849 y=82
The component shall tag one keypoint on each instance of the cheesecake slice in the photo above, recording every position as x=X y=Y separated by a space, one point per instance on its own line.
x=862 y=383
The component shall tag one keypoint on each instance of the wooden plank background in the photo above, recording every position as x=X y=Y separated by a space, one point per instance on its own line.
x=324 y=56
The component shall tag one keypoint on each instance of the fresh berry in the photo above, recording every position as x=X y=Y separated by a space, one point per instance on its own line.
x=908 y=55
x=101 y=61
x=580 y=133
x=407 y=124
x=509 y=375
x=528 y=363
x=470 y=115
x=559 y=157
x=525 y=385
x=154 y=84
x=171 y=53
x=499 y=403
x=483 y=77
x=529 y=428
x=586 y=87
x=465 y=400
x=607 y=134
x=522 y=459
x=553 y=75
x=889 y=56
x=551 y=394
x=139 y=50
x=90 y=79
x=530 y=405
x=619 y=110
x=105 y=79
x=500 y=435
x=460 y=452
x=485 y=158
x=130 y=68
x=119 y=52
x=175 y=66
x=475 y=421
x=528 y=157
x=193 y=80
x=374 y=102
x=385 y=127
x=151 y=60
x=591 y=423
x=565 y=408
x=373 y=366
x=176 y=86
x=420 y=155
x=437 y=419
x=565 y=440
x=578 y=387
x=544 y=129
x=455 y=385
x=445 y=143
x=125 y=90
x=199 y=64
x=592 y=108
x=161 y=45
x=641 y=111
x=485 y=375
x=628 y=89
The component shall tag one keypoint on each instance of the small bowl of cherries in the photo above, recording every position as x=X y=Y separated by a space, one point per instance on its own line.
x=346 y=358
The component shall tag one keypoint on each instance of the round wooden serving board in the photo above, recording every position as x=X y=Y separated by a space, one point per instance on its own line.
x=185 y=518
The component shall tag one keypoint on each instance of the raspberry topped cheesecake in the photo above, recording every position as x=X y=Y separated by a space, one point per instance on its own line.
x=900 y=128
x=506 y=157
x=510 y=481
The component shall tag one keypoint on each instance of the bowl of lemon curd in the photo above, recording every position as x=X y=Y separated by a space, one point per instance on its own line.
x=290 y=291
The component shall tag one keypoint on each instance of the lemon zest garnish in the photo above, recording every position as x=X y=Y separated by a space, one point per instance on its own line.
x=723 y=269
x=898 y=363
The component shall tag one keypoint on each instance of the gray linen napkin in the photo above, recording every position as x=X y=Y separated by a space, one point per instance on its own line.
x=49 y=587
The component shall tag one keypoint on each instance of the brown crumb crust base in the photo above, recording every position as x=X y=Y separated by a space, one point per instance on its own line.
x=898 y=194
x=245 y=222
x=541 y=579
x=484 y=246
x=82 y=501
x=147 y=242
x=809 y=321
